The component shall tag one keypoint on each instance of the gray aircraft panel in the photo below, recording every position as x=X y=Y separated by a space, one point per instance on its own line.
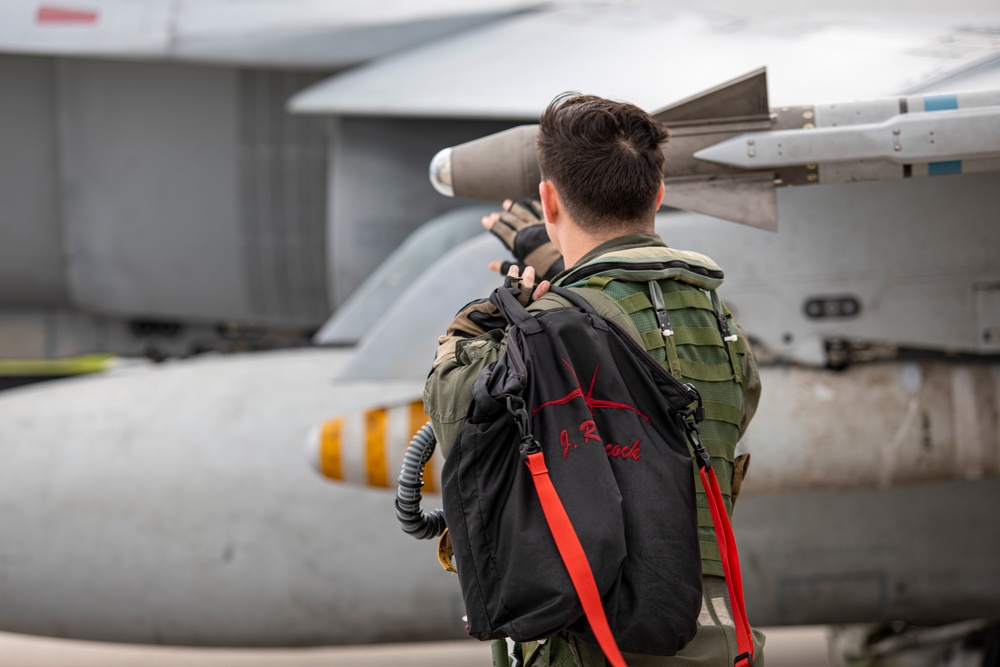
x=281 y=33
x=980 y=75
x=32 y=265
x=378 y=190
x=856 y=556
x=910 y=251
x=170 y=530
x=645 y=53
x=148 y=165
x=328 y=47
x=421 y=249
x=917 y=256
x=422 y=313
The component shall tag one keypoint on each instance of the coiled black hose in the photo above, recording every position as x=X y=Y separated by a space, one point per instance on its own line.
x=421 y=525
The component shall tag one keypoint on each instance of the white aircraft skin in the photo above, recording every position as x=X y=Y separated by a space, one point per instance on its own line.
x=316 y=33
x=172 y=504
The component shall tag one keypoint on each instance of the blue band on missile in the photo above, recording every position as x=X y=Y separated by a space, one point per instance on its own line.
x=942 y=103
x=944 y=168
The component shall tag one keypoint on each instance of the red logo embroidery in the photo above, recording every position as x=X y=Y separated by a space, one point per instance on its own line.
x=626 y=452
x=588 y=429
x=592 y=403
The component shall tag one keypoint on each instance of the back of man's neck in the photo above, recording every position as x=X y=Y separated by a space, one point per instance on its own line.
x=580 y=243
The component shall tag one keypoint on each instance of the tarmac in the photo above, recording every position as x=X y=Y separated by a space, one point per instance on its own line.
x=786 y=647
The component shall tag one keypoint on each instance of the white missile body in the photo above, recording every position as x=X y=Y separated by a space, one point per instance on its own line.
x=958 y=128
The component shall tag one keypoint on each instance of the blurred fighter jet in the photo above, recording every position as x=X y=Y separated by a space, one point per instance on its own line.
x=169 y=504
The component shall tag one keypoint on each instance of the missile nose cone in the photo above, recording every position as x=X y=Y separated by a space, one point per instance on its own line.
x=440 y=173
x=313 y=449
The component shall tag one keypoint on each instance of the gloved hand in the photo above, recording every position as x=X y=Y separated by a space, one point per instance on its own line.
x=480 y=316
x=520 y=227
x=475 y=319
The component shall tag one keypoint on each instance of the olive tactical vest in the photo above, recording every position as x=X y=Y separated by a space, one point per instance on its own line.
x=670 y=297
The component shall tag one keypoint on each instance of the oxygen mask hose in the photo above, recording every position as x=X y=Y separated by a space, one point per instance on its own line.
x=421 y=525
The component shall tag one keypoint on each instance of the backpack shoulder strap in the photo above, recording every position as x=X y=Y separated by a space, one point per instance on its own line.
x=599 y=303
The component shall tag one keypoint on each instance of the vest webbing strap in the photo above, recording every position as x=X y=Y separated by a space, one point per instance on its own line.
x=675 y=300
x=726 y=324
x=705 y=372
x=730 y=565
x=702 y=336
x=574 y=558
x=598 y=282
x=634 y=303
x=723 y=412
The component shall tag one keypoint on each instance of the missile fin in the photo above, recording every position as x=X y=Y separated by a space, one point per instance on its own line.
x=748 y=199
x=741 y=99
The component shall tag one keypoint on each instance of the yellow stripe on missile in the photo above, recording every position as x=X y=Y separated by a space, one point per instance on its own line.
x=376 y=459
x=368 y=446
x=331 y=462
x=417 y=420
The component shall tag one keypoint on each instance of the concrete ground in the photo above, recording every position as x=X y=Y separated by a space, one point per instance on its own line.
x=786 y=647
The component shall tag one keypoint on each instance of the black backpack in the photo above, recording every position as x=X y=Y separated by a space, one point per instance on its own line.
x=576 y=395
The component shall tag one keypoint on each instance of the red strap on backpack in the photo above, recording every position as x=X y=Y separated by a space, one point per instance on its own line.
x=574 y=558
x=730 y=565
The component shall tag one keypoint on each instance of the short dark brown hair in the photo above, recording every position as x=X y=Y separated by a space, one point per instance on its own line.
x=605 y=158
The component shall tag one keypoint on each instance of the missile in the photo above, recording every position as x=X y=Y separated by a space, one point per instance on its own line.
x=367 y=447
x=729 y=151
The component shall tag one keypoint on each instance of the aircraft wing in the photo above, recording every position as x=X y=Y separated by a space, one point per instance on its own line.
x=276 y=33
x=651 y=55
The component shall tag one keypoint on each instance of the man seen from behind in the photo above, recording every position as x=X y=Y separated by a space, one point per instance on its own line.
x=602 y=164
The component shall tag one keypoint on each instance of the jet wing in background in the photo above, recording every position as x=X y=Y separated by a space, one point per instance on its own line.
x=292 y=33
x=650 y=54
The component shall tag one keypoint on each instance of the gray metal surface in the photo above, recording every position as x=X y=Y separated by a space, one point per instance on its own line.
x=149 y=173
x=910 y=251
x=283 y=33
x=643 y=52
x=875 y=425
x=282 y=200
x=435 y=238
x=32 y=262
x=924 y=553
x=378 y=189
x=171 y=505
x=919 y=257
x=199 y=198
x=422 y=313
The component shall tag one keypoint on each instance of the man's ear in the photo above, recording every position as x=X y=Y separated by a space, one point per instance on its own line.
x=550 y=202
x=659 y=197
